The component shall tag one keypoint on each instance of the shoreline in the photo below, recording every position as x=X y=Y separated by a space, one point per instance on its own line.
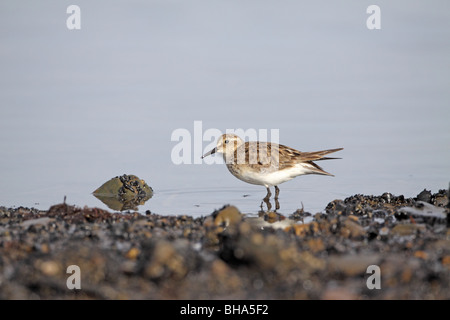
x=360 y=243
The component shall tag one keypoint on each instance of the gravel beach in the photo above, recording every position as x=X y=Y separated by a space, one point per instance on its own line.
x=361 y=247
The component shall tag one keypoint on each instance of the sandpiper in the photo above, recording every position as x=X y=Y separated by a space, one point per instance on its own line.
x=265 y=163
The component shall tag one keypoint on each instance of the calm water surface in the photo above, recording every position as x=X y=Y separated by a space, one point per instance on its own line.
x=80 y=107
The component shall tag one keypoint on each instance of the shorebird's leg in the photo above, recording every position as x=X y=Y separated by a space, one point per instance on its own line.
x=267 y=197
x=266 y=200
x=277 y=192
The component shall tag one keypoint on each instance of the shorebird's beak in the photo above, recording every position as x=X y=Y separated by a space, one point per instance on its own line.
x=209 y=152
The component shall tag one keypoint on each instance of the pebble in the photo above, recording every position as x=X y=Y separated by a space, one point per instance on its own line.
x=351 y=264
x=227 y=216
x=407 y=229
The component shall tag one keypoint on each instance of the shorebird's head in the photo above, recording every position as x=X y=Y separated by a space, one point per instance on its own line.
x=227 y=144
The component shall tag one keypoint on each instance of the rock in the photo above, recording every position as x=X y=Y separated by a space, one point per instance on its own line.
x=336 y=206
x=352 y=265
x=339 y=293
x=273 y=217
x=74 y=214
x=250 y=247
x=424 y=196
x=161 y=259
x=49 y=268
x=261 y=223
x=302 y=230
x=441 y=199
x=446 y=261
x=228 y=215
x=424 y=211
x=387 y=197
x=37 y=221
x=124 y=192
x=407 y=229
x=316 y=245
x=421 y=254
x=133 y=253
x=351 y=229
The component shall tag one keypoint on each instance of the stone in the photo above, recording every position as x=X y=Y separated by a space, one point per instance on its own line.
x=227 y=216
x=407 y=229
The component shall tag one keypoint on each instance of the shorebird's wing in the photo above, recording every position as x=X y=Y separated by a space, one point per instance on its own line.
x=290 y=157
x=258 y=155
x=289 y=154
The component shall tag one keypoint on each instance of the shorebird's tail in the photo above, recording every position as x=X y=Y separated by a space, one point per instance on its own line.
x=319 y=155
x=309 y=157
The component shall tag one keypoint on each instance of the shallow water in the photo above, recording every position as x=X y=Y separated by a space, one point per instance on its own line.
x=80 y=107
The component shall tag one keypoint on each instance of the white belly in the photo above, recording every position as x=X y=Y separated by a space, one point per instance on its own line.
x=269 y=179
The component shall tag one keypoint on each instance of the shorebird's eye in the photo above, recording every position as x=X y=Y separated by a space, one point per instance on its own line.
x=226 y=141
